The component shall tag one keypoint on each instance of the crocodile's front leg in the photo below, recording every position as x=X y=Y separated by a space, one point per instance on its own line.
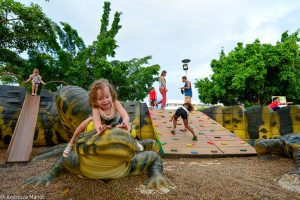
x=70 y=163
x=46 y=178
x=152 y=163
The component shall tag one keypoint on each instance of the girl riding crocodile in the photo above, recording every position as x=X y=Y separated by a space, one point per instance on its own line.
x=106 y=111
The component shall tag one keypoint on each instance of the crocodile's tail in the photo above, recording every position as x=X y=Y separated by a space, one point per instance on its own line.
x=51 y=152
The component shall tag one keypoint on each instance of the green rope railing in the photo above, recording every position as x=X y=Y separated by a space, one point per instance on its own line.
x=50 y=82
x=11 y=74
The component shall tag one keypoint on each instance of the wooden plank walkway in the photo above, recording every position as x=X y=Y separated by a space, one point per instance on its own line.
x=213 y=139
x=20 y=146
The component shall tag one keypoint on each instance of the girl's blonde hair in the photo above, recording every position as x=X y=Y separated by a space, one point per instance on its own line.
x=36 y=69
x=99 y=85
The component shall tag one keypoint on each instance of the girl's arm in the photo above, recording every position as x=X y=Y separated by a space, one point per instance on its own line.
x=30 y=77
x=97 y=120
x=285 y=103
x=123 y=114
x=42 y=81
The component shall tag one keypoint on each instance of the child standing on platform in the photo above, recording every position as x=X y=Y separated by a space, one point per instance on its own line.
x=36 y=79
x=183 y=112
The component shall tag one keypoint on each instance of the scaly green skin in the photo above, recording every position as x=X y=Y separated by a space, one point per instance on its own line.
x=287 y=145
x=94 y=157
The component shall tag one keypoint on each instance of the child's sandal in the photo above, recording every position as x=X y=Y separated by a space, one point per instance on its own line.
x=139 y=146
x=195 y=138
x=67 y=151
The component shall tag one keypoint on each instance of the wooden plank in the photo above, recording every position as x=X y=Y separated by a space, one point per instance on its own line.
x=213 y=139
x=20 y=146
x=193 y=151
x=247 y=150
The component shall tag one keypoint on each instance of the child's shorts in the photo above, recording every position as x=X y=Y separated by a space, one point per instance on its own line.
x=180 y=112
x=35 y=82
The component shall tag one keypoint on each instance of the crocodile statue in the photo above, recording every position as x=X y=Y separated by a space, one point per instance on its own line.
x=111 y=155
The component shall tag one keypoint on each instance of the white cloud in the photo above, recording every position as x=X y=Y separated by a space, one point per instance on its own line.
x=270 y=16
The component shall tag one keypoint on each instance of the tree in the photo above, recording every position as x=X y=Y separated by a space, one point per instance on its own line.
x=60 y=52
x=131 y=78
x=22 y=29
x=254 y=72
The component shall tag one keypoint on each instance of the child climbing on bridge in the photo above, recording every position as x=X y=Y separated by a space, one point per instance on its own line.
x=106 y=110
x=183 y=112
x=36 y=79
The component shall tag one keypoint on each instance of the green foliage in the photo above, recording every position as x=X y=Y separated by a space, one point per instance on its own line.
x=254 y=72
x=22 y=29
x=131 y=78
x=61 y=55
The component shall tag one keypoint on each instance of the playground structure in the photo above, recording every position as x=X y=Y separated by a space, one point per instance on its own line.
x=20 y=147
x=49 y=130
x=54 y=128
x=255 y=123
x=213 y=139
x=61 y=112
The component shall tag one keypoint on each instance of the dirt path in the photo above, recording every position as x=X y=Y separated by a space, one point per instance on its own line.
x=221 y=178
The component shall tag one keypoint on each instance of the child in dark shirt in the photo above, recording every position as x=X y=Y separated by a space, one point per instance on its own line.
x=183 y=112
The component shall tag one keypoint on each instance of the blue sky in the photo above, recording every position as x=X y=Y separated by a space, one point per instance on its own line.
x=171 y=30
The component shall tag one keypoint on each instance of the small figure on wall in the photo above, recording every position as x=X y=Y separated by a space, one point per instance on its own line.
x=152 y=98
x=276 y=102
